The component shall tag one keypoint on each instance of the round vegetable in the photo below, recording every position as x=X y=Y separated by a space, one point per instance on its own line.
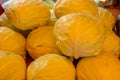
x=12 y=66
x=105 y=66
x=12 y=41
x=79 y=35
x=27 y=14
x=42 y=41
x=107 y=18
x=111 y=43
x=63 y=7
x=51 y=67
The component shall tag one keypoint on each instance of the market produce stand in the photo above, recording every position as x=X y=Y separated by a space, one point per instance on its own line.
x=60 y=40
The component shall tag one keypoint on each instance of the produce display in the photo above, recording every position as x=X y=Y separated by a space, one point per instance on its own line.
x=62 y=40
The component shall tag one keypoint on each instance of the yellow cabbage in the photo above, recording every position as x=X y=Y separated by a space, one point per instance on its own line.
x=63 y=7
x=112 y=43
x=41 y=41
x=12 y=41
x=79 y=35
x=107 y=18
x=51 y=67
x=12 y=66
x=27 y=14
x=5 y=22
x=105 y=66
